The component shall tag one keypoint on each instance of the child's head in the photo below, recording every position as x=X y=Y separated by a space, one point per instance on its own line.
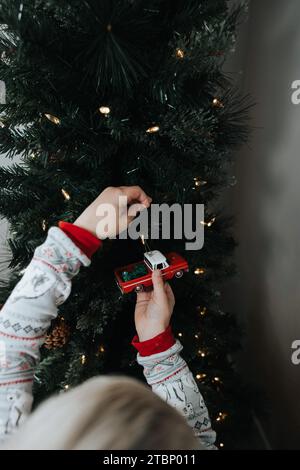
x=105 y=413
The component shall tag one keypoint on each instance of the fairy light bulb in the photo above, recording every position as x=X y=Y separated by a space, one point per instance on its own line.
x=152 y=129
x=199 y=182
x=44 y=225
x=179 y=53
x=200 y=376
x=54 y=119
x=83 y=359
x=203 y=311
x=209 y=223
x=101 y=349
x=180 y=335
x=221 y=416
x=202 y=353
x=217 y=103
x=221 y=445
x=65 y=194
x=104 y=110
x=66 y=387
x=199 y=271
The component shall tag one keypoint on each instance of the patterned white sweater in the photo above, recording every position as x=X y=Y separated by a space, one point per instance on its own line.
x=26 y=317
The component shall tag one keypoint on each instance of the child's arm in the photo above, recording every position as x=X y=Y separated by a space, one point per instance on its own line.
x=25 y=318
x=46 y=284
x=170 y=377
x=165 y=370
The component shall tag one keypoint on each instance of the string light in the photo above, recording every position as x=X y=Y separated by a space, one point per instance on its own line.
x=104 y=110
x=221 y=444
x=180 y=53
x=202 y=353
x=203 y=311
x=53 y=119
x=83 y=359
x=217 y=103
x=180 y=335
x=44 y=225
x=216 y=380
x=20 y=11
x=152 y=130
x=209 y=223
x=221 y=416
x=66 y=387
x=199 y=181
x=200 y=376
x=101 y=349
x=65 y=194
x=196 y=336
x=199 y=271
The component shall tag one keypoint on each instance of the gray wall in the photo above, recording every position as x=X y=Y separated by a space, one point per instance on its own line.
x=266 y=202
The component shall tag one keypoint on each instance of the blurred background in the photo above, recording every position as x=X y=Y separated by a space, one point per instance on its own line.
x=265 y=202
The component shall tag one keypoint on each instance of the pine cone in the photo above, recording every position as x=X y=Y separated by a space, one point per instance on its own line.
x=58 y=337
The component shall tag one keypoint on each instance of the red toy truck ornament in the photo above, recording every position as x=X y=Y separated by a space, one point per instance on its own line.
x=138 y=276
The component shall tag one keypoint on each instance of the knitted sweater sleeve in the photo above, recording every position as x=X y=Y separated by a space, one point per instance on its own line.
x=169 y=376
x=25 y=318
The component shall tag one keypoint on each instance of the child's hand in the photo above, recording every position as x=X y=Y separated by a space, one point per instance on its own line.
x=154 y=309
x=125 y=202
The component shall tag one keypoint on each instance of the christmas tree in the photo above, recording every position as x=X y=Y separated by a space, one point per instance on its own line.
x=123 y=92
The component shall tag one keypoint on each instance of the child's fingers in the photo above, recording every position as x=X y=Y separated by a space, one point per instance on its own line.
x=158 y=284
x=136 y=194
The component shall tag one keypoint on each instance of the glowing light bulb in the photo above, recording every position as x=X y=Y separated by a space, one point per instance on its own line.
x=104 y=110
x=53 y=119
x=65 y=194
x=199 y=271
x=217 y=103
x=209 y=223
x=180 y=53
x=200 y=376
x=152 y=130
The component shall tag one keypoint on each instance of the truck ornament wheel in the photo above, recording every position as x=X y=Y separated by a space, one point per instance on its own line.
x=179 y=274
x=139 y=289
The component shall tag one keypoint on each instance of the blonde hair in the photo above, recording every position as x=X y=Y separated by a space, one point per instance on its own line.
x=107 y=413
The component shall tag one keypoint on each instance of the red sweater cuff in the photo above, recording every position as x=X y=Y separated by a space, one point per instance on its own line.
x=82 y=238
x=158 y=344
